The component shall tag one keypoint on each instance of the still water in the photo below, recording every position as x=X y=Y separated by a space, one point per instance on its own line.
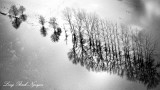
x=28 y=57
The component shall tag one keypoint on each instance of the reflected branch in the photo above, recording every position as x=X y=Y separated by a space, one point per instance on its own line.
x=100 y=45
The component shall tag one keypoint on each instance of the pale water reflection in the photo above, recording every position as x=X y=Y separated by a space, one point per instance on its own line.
x=25 y=55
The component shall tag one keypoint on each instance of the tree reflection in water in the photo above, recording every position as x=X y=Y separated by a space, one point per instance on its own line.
x=102 y=46
x=43 y=30
x=57 y=30
x=17 y=15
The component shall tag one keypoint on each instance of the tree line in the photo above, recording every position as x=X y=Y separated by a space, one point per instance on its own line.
x=100 y=45
x=17 y=16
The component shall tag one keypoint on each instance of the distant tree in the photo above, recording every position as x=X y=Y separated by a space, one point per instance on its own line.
x=13 y=11
x=53 y=23
x=42 y=20
x=17 y=15
x=22 y=16
x=43 y=30
x=56 y=34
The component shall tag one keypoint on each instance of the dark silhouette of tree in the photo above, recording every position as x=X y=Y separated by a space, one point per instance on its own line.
x=57 y=30
x=16 y=22
x=22 y=16
x=13 y=14
x=56 y=34
x=100 y=45
x=53 y=23
x=42 y=20
x=13 y=11
x=43 y=30
x=17 y=15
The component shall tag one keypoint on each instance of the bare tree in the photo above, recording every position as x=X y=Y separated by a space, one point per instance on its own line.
x=100 y=45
